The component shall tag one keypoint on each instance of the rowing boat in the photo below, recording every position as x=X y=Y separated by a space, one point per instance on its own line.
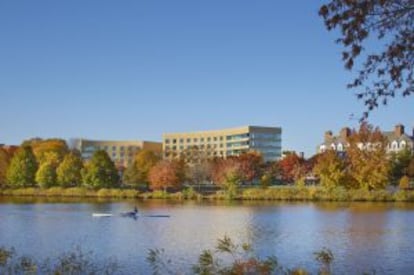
x=101 y=215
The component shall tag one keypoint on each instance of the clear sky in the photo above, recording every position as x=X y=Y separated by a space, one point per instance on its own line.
x=136 y=69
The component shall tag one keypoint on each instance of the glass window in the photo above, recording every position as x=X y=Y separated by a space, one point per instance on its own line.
x=174 y=141
x=113 y=148
x=208 y=139
x=181 y=140
x=167 y=141
x=195 y=140
x=201 y=139
x=188 y=140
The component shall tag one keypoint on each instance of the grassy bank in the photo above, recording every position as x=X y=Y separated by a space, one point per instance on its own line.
x=285 y=193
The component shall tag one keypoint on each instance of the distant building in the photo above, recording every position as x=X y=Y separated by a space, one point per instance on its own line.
x=121 y=152
x=225 y=142
x=397 y=140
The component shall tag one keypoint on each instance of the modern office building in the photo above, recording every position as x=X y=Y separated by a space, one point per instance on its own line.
x=226 y=142
x=397 y=140
x=121 y=152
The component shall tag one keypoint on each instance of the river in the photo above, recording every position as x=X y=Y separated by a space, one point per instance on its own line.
x=363 y=237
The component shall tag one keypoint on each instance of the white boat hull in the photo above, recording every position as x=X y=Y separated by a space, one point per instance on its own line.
x=101 y=215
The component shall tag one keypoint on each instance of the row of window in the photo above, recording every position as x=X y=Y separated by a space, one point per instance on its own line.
x=340 y=147
x=266 y=136
x=120 y=148
x=189 y=147
x=193 y=140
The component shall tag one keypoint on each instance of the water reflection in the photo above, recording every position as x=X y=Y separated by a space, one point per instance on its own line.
x=363 y=236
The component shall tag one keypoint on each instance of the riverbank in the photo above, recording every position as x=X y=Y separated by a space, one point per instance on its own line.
x=279 y=193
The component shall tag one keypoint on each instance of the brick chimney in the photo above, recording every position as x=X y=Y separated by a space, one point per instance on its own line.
x=399 y=130
x=345 y=133
x=328 y=136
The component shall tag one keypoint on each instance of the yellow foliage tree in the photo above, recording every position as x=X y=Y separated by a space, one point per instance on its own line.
x=367 y=156
x=331 y=170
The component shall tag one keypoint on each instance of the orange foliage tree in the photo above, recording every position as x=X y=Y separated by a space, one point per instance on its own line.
x=165 y=174
x=290 y=167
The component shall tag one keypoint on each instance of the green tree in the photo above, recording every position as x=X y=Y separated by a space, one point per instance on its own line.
x=331 y=170
x=389 y=71
x=4 y=164
x=100 y=171
x=410 y=168
x=69 y=170
x=22 y=168
x=46 y=175
x=399 y=164
x=137 y=172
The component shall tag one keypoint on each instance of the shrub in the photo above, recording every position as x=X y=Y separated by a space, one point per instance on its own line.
x=159 y=194
x=404 y=183
x=104 y=193
x=74 y=192
x=130 y=193
x=54 y=192
x=25 y=192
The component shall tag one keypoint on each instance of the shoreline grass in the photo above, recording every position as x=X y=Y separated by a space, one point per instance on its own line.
x=285 y=193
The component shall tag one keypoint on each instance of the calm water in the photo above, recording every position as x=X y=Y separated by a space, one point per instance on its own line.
x=362 y=236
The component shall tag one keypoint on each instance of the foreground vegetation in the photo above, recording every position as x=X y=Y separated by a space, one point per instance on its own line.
x=227 y=258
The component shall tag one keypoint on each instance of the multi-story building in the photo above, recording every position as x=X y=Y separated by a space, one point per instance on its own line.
x=397 y=140
x=226 y=142
x=121 y=152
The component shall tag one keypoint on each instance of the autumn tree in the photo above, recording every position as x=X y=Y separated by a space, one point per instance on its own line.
x=388 y=72
x=199 y=172
x=368 y=162
x=410 y=168
x=4 y=164
x=331 y=170
x=137 y=172
x=69 y=170
x=22 y=169
x=272 y=171
x=404 y=183
x=165 y=174
x=251 y=164
x=42 y=147
x=100 y=171
x=289 y=167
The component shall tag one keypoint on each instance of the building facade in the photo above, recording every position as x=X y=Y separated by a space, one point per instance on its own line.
x=121 y=152
x=226 y=142
x=397 y=140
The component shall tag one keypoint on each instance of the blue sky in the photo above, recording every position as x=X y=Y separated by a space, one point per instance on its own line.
x=136 y=69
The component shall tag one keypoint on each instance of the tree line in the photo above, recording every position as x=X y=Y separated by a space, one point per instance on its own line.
x=364 y=165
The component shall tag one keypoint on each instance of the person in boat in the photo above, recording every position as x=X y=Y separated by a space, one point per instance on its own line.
x=132 y=214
